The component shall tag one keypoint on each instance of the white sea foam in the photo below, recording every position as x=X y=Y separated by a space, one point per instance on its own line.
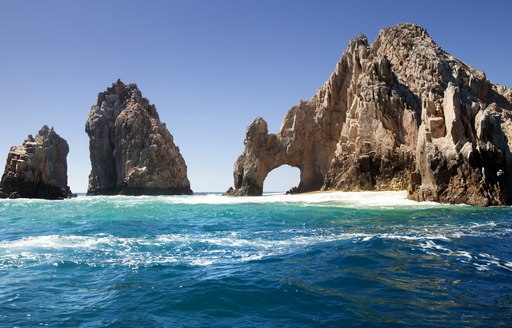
x=102 y=249
x=384 y=199
x=232 y=247
x=481 y=261
x=464 y=254
x=193 y=249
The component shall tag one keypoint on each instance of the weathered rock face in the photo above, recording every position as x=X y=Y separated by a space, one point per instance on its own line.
x=398 y=114
x=37 y=168
x=131 y=151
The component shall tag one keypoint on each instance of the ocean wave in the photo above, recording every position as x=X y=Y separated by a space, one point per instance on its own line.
x=480 y=261
x=209 y=248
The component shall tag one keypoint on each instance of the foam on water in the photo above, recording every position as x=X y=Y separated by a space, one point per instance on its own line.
x=101 y=249
x=227 y=247
x=378 y=199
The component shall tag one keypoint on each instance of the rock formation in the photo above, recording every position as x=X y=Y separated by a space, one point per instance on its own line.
x=400 y=113
x=131 y=151
x=38 y=168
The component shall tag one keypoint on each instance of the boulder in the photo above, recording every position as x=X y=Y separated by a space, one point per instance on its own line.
x=37 y=168
x=131 y=150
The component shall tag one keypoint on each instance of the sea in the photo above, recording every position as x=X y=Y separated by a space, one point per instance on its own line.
x=368 y=259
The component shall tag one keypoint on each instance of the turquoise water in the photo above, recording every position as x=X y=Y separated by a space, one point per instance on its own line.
x=326 y=260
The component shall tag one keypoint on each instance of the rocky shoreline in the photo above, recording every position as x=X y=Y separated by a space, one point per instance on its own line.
x=397 y=114
x=400 y=113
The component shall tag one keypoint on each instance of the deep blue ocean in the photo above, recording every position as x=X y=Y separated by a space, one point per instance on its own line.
x=325 y=260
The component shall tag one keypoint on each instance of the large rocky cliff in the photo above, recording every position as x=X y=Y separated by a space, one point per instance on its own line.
x=131 y=151
x=37 y=168
x=400 y=113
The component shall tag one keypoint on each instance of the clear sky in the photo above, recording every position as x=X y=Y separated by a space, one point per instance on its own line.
x=210 y=67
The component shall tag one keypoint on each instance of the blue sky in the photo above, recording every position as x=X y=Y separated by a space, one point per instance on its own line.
x=210 y=67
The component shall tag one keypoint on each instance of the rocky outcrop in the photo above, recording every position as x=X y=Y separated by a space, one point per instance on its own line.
x=400 y=113
x=37 y=168
x=131 y=151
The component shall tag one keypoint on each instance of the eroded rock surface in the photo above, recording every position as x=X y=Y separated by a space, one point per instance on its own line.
x=131 y=151
x=37 y=168
x=400 y=113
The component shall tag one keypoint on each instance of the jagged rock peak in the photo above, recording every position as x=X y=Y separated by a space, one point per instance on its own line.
x=122 y=94
x=405 y=31
x=131 y=151
x=405 y=36
x=400 y=113
x=37 y=168
x=360 y=41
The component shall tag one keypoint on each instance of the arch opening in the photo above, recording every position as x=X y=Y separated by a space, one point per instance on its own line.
x=281 y=179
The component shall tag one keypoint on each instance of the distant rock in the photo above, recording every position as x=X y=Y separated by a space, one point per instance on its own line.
x=131 y=151
x=400 y=113
x=37 y=168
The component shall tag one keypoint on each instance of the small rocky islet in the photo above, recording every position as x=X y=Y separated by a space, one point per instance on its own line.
x=38 y=168
x=132 y=152
x=398 y=114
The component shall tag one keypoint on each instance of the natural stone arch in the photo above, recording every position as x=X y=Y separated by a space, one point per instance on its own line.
x=398 y=114
x=265 y=152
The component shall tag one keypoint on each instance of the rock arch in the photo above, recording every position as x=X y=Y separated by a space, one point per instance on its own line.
x=398 y=114
x=265 y=152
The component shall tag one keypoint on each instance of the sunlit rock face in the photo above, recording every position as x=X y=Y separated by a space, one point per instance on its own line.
x=400 y=113
x=38 y=168
x=131 y=151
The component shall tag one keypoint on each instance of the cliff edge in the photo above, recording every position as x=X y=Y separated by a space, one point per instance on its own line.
x=400 y=113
